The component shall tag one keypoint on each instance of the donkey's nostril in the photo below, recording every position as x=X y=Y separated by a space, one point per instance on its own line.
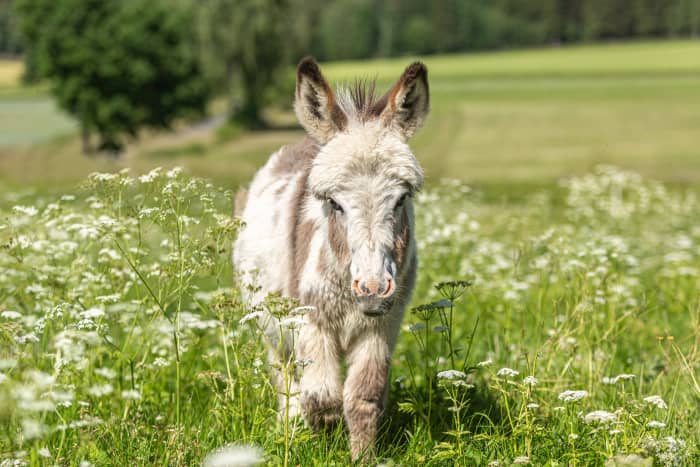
x=388 y=290
x=356 y=288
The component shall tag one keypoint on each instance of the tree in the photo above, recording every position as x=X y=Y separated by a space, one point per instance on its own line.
x=9 y=37
x=116 y=65
x=244 y=44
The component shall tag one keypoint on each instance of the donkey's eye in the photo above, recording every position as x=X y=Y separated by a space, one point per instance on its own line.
x=334 y=205
x=401 y=200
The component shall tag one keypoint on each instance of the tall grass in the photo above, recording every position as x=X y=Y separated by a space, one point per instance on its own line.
x=560 y=330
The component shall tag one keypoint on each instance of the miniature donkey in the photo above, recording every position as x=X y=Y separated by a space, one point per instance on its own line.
x=329 y=222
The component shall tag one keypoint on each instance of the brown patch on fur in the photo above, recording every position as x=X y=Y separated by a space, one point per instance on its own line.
x=321 y=411
x=295 y=157
x=363 y=405
x=337 y=238
x=402 y=236
x=240 y=202
x=300 y=233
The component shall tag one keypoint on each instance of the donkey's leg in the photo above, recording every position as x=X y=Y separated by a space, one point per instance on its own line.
x=364 y=394
x=321 y=391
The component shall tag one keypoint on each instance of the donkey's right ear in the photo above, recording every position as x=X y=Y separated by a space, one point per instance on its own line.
x=315 y=104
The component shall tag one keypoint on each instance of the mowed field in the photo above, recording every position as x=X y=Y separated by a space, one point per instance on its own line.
x=527 y=117
x=555 y=320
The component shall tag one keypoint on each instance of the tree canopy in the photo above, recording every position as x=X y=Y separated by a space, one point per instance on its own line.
x=117 y=66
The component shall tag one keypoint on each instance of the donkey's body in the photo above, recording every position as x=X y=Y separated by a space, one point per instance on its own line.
x=355 y=264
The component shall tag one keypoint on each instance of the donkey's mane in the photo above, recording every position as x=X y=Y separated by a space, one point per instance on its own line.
x=359 y=99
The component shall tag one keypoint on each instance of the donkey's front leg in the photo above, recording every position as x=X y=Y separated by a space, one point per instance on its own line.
x=321 y=391
x=365 y=391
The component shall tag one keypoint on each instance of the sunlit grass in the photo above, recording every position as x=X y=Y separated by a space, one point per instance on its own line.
x=569 y=337
x=499 y=118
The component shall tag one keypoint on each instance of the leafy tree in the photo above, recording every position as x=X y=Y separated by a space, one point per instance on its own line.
x=244 y=44
x=116 y=65
x=9 y=36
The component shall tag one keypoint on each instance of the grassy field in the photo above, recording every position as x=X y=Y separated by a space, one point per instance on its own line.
x=526 y=117
x=575 y=342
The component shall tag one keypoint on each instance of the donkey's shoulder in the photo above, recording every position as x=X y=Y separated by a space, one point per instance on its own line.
x=294 y=158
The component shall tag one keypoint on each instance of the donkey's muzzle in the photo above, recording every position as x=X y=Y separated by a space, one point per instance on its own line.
x=373 y=288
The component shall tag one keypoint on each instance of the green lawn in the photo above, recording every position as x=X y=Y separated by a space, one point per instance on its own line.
x=521 y=117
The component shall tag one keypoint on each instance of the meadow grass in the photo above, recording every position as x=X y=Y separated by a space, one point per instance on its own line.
x=565 y=330
x=562 y=330
x=524 y=117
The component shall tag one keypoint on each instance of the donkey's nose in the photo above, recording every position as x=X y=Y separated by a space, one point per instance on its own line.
x=373 y=287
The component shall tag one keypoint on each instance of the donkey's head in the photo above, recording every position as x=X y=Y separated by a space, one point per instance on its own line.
x=365 y=174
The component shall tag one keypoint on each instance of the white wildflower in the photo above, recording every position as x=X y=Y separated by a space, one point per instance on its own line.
x=150 y=176
x=131 y=395
x=44 y=452
x=451 y=374
x=29 y=211
x=416 y=327
x=533 y=405
x=521 y=460
x=106 y=373
x=507 y=372
x=99 y=390
x=9 y=314
x=293 y=322
x=657 y=401
x=234 y=455
x=250 y=316
x=573 y=436
x=615 y=379
x=600 y=416
x=656 y=424
x=485 y=363
x=572 y=396
x=530 y=381
x=439 y=329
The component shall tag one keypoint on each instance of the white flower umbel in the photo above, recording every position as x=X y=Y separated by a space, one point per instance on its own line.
x=572 y=396
x=451 y=374
x=234 y=455
x=507 y=372
x=530 y=380
x=522 y=460
x=600 y=416
x=656 y=401
x=656 y=424
x=485 y=363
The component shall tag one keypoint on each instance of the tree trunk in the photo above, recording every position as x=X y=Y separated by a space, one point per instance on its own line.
x=86 y=144
x=249 y=114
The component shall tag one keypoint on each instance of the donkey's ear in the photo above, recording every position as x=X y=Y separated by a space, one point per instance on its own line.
x=315 y=104
x=408 y=102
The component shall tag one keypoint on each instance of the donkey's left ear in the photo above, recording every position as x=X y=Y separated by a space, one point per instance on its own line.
x=408 y=102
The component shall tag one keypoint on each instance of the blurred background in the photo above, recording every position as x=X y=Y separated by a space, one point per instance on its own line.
x=523 y=92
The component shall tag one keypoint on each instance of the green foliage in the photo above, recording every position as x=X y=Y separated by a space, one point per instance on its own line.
x=10 y=42
x=115 y=66
x=244 y=44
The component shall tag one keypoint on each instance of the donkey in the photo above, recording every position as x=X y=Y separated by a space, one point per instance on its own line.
x=329 y=222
